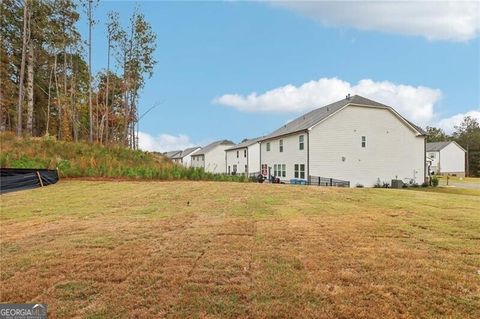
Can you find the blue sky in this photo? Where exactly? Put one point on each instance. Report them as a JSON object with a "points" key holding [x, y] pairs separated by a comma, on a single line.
{"points": [[241, 69]]}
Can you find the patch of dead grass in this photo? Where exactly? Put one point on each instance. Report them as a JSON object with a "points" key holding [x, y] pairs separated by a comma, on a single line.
{"points": [[208, 250]]}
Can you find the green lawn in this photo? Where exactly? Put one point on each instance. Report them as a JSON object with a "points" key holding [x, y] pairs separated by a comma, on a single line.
{"points": [[102, 249]]}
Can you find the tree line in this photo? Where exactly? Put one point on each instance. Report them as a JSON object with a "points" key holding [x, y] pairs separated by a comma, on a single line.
{"points": [[467, 134], [47, 86]]}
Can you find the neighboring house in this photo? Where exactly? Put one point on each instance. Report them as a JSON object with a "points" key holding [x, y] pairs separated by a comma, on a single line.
{"points": [[185, 157], [355, 139], [171, 154], [212, 157], [447, 158], [244, 158]]}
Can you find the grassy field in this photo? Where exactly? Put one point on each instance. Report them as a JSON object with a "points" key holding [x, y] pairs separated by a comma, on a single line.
{"points": [[214, 250]]}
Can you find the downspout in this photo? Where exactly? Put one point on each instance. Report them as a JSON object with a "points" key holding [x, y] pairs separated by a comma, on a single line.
{"points": [[425, 162], [260, 143], [248, 166], [308, 156]]}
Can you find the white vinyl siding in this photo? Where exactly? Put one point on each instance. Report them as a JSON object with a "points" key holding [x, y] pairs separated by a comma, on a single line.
{"points": [[214, 159], [290, 156], [250, 159], [394, 149], [452, 159]]}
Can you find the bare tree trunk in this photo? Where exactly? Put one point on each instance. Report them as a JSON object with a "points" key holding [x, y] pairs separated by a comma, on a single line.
{"points": [[3, 104], [30, 89], [73, 102], [107, 90], [97, 123], [59, 102], [90, 22], [125, 99], [30, 78], [47, 128], [22, 70]]}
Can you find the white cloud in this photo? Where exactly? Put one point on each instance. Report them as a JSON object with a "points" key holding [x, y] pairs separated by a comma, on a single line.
{"points": [[415, 103], [163, 142], [448, 124], [434, 20]]}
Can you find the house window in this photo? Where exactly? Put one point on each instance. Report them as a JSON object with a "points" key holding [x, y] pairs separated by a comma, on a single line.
{"points": [[246, 169], [432, 155], [280, 143], [245, 153], [300, 142], [279, 170], [299, 171], [364, 141], [228, 169], [268, 147], [237, 154], [234, 169]]}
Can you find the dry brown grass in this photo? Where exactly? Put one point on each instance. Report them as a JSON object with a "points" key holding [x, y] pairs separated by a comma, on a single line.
{"points": [[132, 249]]}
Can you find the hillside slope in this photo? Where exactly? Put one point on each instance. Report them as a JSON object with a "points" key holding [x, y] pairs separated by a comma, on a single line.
{"points": [[93, 160]]}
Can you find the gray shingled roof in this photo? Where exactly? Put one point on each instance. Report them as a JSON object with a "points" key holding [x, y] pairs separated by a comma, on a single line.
{"points": [[211, 146], [171, 154], [246, 143], [311, 118], [437, 146], [186, 152]]}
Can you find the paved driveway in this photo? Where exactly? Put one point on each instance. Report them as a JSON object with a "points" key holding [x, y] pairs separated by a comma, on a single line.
{"points": [[461, 185]]}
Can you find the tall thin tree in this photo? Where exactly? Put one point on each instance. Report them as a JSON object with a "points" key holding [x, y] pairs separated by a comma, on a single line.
{"points": [[22, 68], [90, 24]]}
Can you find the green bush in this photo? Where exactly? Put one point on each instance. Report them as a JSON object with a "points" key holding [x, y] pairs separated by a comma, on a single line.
{"points": [[435, 181]]}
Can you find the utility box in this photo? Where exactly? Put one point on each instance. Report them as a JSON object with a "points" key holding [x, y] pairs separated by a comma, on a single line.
{"points": [[397, 183]]}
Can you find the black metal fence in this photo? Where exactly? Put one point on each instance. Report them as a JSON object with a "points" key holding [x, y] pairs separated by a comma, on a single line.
{"points": [[326, 181]]}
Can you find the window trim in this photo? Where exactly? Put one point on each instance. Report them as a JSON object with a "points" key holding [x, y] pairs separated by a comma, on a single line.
{"points": [[364, 141], [280, 146], [301, 142]]}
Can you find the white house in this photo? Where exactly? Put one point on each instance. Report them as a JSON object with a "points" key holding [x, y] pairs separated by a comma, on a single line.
{"points": [[171, 154], [447, 158], [185, 157], [244, 158], [356, 140], [212, 157]]}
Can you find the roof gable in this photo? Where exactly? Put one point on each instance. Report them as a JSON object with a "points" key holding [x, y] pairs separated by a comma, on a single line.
{"points": [[211, 146], [186, 152], [438, 146], [246, 143], [314, 117], [172, 154]]}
